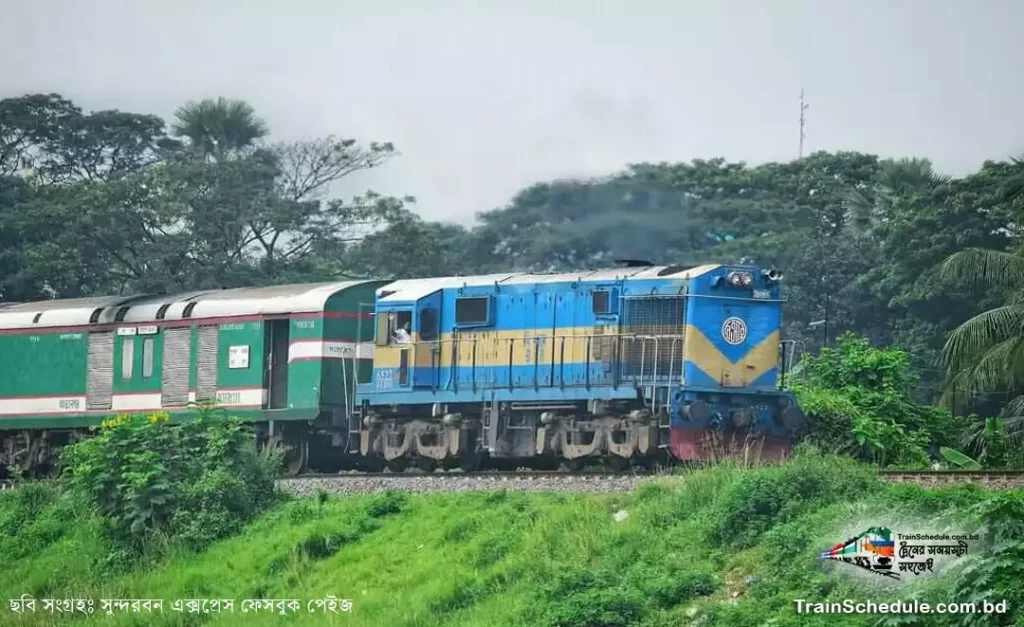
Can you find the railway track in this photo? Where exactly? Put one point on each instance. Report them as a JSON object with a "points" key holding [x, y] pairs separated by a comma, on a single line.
{"points": [[937, 478], [598, 480], [594, 481], [529, 481], [493, 474], [898, 476]]}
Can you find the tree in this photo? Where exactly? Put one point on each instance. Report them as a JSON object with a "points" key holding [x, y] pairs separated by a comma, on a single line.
{"points": [[218, 129], [50, 141], [105, 202], [50, 152], [412, 248], [27, 124], [986, 353]]}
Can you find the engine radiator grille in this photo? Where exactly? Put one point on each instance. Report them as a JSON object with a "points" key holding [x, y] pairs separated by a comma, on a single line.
{"points": [[652, 342]]}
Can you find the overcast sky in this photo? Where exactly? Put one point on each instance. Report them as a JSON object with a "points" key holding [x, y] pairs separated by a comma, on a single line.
{"points": [[484, 98]]}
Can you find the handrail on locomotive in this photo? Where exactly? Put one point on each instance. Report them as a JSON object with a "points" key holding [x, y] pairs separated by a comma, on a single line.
{"points": [[620, 365]]}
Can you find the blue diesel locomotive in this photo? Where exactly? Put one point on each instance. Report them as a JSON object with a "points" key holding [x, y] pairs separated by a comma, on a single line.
{"points": [[614, 364]]}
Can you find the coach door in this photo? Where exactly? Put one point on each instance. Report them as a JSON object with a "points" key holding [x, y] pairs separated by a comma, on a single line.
{"points": [[100, 377], [427, 349], [275, 350]]}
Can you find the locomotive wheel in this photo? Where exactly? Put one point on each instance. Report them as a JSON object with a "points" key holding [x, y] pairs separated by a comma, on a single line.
{"points": [[576, 465], [425, 464], [397, 465], [469, 462], [617, 463]]}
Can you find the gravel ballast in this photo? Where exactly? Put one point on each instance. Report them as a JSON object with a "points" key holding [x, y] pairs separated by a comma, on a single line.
{"points": [[453, 483]]}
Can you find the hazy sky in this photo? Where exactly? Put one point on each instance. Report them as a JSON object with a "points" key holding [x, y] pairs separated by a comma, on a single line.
{"points": [[484, 98]]}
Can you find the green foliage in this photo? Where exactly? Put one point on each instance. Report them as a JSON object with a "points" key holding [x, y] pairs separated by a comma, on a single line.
{"points": [[996, 573], [196, 482], [736, 547], [581, 598], [715, 546], [756, 502], [958, 459], [106, 202], [858, 400]]}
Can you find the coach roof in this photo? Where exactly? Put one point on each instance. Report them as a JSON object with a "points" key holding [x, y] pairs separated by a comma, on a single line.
{"points": [[409, 290], [279, 299]]}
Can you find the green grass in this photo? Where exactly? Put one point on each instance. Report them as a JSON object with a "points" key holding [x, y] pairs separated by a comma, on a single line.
{"points": [[500, 559]]}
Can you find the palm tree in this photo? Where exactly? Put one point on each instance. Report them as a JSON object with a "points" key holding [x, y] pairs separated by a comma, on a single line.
{"points": [[218, 128], [986, 353]]}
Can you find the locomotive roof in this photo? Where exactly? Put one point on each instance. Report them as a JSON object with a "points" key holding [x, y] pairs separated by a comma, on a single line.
{"points": [[278, 299], [414, 289]]}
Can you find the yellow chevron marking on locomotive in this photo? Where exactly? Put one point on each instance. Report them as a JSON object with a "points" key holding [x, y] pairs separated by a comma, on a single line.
{"points": [[702, 353]]}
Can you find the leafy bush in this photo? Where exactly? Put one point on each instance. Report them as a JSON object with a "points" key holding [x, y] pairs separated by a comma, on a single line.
{"points": [[996, 573], [754, 502], [858, 400], [197, 481], [33, 516], [584, 598]]}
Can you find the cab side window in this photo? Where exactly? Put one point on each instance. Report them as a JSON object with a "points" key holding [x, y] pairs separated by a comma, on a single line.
{"points": [[428, 325], [393, 328]]}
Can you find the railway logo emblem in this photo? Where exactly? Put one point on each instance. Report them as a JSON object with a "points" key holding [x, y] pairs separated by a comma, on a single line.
{"points": [[875, 551], [734, 331]]}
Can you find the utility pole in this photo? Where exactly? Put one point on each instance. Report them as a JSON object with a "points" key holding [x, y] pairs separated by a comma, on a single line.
{"points": [[824, 321], [803, 107], [827, 303]]}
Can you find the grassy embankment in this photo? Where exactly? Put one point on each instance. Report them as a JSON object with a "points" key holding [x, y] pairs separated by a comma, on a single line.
{"points": [[688, 553]]}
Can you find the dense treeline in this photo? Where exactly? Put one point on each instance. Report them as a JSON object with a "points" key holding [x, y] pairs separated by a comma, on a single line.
{"points": [[114, 202]]}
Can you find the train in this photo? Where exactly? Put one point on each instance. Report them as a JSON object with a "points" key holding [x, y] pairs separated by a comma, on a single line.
{"points": [[620, 366]]}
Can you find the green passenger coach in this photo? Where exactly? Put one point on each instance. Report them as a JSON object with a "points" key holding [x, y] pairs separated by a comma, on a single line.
{"points": [[272, 355]]}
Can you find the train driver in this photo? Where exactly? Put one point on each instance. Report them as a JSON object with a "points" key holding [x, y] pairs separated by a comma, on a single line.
{"points": [[402, 335]]}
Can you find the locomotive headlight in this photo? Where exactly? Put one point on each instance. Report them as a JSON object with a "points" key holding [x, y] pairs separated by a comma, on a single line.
{"points": [[741, 279]]}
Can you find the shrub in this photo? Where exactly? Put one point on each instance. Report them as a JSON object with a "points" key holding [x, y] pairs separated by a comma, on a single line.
{"points": [[858, 401], [756, 501], [582, 598], [196, 482], [996, 573]]}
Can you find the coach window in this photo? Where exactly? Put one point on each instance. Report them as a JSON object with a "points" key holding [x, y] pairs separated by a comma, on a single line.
{"points": [[127, 357], [472, 311], [147, 358], [602, 302]]}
